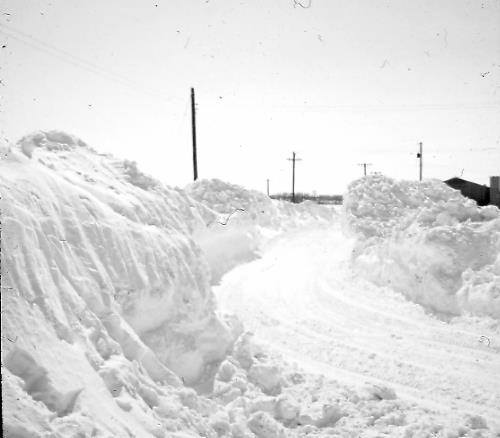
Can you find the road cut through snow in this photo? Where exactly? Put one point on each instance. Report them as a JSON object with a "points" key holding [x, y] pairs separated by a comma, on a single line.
{"points": [[302, 299]]}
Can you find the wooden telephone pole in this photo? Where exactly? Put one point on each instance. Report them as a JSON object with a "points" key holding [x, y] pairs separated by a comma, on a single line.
{"points": [[364, 166], [193, 122], [268, 187], [419, 156], [293, 159]]}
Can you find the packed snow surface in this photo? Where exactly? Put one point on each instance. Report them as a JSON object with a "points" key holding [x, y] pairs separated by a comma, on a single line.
{"points": [[387, 365], [318, 326]]}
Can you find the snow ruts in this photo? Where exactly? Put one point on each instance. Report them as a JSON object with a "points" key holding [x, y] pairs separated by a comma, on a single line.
{"points": [[302, 300]]}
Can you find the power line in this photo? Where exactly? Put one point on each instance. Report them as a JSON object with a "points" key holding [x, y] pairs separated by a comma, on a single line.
{"points": [[394, 107], [78, 62], [464, 106]]}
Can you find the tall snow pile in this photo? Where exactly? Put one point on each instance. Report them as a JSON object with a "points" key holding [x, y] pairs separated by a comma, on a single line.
{"points": [[245, 221], [252, 206], [104, 291], [107, 310], [427, 241], [108, 316]]}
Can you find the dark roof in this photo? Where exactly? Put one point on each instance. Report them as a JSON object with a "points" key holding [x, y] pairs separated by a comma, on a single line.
{"points": [[455, 179], [457, 182]]}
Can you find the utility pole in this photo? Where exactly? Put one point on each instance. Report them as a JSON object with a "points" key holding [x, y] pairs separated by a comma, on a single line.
{"points": [[293, 159], [364, 166], [267, 186], [419, 156], [193, 122]]}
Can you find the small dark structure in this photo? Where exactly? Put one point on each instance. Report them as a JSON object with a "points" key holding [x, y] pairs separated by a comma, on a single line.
{"points": [[301, 197], [495, 190], [482, 194]]}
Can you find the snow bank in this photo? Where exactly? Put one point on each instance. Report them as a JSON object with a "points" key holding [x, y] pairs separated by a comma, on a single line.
{"points": [[106, 300], [108, 312], [105, 295], [245, 221], [428, 242], [226, 198], [260, 395]]}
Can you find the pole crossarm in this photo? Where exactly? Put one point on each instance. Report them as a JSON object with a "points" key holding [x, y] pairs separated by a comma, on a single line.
{"points": [[364, 166]]}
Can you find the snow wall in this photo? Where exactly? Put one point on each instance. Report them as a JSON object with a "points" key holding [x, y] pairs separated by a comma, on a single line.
{"points": [[107, 308], [425, 240], [246, 220]]}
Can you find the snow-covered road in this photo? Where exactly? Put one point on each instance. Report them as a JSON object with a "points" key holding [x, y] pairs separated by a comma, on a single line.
{"points": [[302, 300], [109, 313]]}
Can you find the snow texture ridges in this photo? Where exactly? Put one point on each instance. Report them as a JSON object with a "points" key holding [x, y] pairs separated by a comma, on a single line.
{"points": [[428, 242], [101, 282]]}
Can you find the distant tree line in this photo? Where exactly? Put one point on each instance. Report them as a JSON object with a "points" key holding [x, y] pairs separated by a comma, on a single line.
{"points": [[300, 197]]}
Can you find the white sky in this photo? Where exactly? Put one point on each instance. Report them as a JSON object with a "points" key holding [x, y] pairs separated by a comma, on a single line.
{"points": [[341, 82]]}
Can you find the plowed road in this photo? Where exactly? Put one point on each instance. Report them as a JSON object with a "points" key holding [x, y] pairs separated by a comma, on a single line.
{"points": [[302, 300]]}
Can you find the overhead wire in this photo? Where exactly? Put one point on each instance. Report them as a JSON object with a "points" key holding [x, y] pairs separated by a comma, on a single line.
{"points": [[79, 62], [381, 108]]}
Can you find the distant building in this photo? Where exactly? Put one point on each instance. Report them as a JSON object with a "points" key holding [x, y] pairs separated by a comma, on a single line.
{"points": [[301, 197], [482, 194], [495, 190]]}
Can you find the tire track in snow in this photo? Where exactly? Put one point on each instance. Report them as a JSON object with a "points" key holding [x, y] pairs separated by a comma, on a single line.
{"points": [[302, 300]]}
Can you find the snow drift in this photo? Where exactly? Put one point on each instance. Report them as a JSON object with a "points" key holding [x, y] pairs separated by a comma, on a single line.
{"points": [[108, 314], [106, 299], [101, 283], [427, 241], [245, 221]]}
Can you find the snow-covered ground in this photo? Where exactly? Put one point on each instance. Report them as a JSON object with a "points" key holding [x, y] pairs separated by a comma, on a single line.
{"points": [[302, 300], [378, 320]]}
